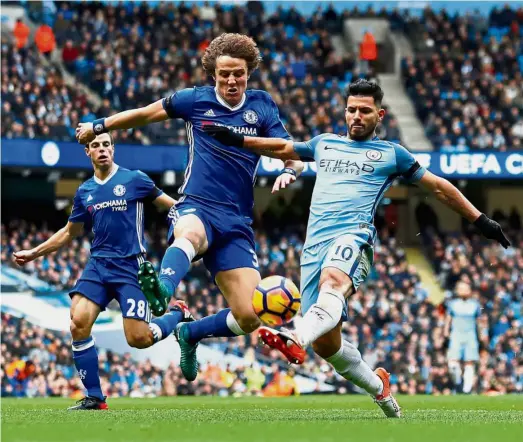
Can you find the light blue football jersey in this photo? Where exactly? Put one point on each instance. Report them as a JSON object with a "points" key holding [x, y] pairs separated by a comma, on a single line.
{"points": [[464, 313], [352, 177]]}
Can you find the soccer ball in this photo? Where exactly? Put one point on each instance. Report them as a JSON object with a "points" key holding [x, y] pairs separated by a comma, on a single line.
{"points": [[276, 300]]}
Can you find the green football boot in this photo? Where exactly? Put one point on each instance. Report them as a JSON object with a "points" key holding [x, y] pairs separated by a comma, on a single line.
{"points": [[188, 360], [154, 290]]}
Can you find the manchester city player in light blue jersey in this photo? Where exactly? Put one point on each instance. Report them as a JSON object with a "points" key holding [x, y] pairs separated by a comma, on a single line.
{"points": [[214, 214], [461, 328], [353, 173], [110, 204]]}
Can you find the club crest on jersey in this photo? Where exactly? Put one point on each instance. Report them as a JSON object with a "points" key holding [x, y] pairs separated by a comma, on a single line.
{"points": [[119, 190], [250, 116], [373, 155]]}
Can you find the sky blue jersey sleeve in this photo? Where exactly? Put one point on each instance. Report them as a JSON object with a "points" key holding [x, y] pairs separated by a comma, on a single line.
{"points": [[274, 128], [180, 104], [79, 214], [145, 187], [407, 165], [450, 309], [307, 149]]}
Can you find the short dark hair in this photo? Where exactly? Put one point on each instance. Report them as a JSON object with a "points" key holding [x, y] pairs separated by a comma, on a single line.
{"points": [[110, 137], [235, 46], [367, 89]]}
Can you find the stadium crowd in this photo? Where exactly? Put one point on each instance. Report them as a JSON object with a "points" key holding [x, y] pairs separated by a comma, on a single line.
{"points": [[466, 78], [129, 57], [38, 363], [391, 319]]}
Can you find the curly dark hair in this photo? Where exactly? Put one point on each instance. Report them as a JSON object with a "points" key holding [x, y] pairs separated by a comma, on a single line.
{"points": [[233, 45]]}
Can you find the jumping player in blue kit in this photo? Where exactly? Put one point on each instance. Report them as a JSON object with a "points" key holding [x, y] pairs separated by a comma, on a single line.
{"points": [[213, 217], [353, 173], [111, 204]]}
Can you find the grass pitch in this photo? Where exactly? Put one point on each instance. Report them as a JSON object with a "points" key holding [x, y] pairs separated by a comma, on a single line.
{"points": [[304, 419]]}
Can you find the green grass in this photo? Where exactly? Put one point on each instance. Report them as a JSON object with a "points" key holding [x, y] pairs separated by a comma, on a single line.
{"points": [[307, 418]]}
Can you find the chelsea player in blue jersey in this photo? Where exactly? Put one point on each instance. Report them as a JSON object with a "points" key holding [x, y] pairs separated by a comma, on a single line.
{"points": [[111, 204], [353, 173], [213, 217]]}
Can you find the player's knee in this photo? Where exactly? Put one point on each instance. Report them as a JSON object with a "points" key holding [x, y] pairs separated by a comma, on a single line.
{"points": [[80, 326], [197, 239], [332, 278], [138, 340]]}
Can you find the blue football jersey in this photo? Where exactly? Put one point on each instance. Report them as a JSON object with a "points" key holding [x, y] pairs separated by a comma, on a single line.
{"points": [[113, 208], [218, 175], [351, 179]]}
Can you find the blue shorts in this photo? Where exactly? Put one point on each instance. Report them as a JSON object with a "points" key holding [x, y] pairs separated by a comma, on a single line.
{"points": [[349, 253], [464, 348], [105, 279], [229, 235]]}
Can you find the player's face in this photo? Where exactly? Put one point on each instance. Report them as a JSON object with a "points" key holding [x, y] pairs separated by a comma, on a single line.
{"points": [[463, 290], [101, 152], [231, 77], [362, 116]]}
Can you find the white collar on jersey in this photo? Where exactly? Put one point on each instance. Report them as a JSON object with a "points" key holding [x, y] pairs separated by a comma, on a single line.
{"points": [[228, 106], [99, 181]]}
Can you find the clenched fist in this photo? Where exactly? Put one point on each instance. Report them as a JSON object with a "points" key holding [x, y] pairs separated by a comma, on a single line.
{"points": [[85, 133], [24, 256]]}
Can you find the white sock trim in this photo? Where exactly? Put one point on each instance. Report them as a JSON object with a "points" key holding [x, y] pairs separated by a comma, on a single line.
{"points": [[233, 325], [156, 331], [185, 246], [83, 346]]}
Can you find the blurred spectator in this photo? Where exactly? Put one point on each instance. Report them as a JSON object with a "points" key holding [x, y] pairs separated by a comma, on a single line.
{"points": [[45, 40], [368, 51], [21, 33]]}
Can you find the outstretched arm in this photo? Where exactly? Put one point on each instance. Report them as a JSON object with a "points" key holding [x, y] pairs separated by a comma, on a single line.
{"points": [[453, 198], [153, 113], [56, 241], [270, 147]]}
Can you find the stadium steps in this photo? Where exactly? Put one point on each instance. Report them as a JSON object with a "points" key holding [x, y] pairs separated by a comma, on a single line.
{"points": [[429, 280], [399, 103]]}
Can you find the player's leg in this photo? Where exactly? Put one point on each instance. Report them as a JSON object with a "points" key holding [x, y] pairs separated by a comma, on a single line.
{"points": [[344, 265], [237, 286], [140, 331], [347, 361], [234, 266], [471, 357], [83, 313], [190, 238], [454, 356]]}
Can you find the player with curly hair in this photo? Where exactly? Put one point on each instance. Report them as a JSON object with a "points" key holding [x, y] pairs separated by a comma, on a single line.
{"points": [[212, 219]]}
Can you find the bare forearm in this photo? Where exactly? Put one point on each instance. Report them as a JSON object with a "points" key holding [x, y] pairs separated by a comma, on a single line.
{"points": [[58, 240], [296, 165], [141, 116], [271, 147], [453, 198]]}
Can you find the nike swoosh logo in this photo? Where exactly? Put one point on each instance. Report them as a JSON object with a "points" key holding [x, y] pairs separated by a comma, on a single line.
{"points": [[342, 150]]}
